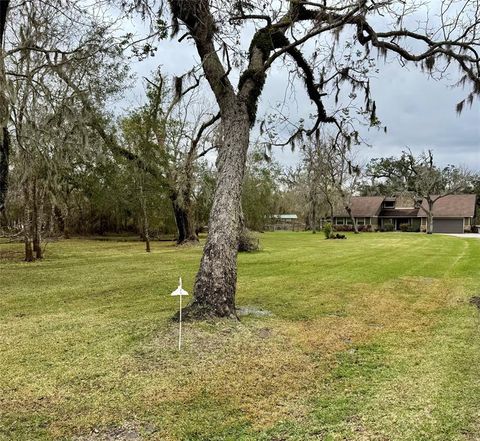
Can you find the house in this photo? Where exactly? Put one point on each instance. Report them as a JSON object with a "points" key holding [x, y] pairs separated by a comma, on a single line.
{"points": [[451, 214]]}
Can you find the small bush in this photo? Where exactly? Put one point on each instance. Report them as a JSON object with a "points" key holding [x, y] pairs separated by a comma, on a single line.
{"points": [[410, 228], [365, 228], [361, 228], [343, 228], [248, 242], [327, 230], [337, 236], [387, 227]]}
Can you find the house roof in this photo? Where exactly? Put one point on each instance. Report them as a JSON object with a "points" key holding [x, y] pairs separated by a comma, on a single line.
{"points": [[363, 206], [399, 212], [455, 205], [285, 216], [458, 205]]}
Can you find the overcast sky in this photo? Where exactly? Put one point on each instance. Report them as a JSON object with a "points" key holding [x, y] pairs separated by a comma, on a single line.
{"points": [[418, 111]]}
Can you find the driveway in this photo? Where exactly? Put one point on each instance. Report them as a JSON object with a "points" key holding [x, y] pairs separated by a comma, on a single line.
{"points": [[466, 235]]}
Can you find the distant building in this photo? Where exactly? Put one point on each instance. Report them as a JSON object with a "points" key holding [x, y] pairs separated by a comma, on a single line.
{"points": [[284, 222], [451, 214]]}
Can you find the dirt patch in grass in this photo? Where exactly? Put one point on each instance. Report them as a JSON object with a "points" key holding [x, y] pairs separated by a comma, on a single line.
{"points": [[475, 301], [128, 432], [250, 368]]}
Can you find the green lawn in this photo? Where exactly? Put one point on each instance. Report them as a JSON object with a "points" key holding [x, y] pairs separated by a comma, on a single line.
{"points": [[370, 338]]}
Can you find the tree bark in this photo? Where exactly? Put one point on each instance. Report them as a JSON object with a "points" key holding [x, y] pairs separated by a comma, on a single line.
{"points": [[215, 284], [4, 113], [66, 229], [180, 219], [331, 211], [354, 223], [27, 225], [4, 163], [183, 219], [314, 218], [430, 217], [146, 234], [37, 248]]}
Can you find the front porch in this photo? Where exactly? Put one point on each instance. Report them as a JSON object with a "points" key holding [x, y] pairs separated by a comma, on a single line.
{"points": [[410, 223]]}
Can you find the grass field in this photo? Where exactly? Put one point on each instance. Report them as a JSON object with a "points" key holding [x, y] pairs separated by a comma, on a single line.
{"points": [[370, 338]]}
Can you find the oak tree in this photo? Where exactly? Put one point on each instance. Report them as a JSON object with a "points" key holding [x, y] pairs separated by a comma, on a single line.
{"points": [[282, 31]]}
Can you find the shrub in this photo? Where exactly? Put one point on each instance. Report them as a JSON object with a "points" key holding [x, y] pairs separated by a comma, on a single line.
{"points": [[343, 227], [405, 227], [340, 236], [387, 227], [327, 230], [365, 228], [248, 241]]}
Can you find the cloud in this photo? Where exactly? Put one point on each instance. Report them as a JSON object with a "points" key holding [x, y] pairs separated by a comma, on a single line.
{"points": [[418, 111]]}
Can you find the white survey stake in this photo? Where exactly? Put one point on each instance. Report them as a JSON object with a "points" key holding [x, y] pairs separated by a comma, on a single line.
{"points": [[180, 292]]}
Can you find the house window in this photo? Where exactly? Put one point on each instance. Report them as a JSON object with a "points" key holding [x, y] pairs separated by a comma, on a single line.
{"points": [[389, 204], [349, 221], [339, 221], [368, 221], [360, 221]]}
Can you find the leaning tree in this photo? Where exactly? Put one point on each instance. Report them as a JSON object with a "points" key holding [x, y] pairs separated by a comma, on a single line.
{"points": [[303, 35], [178, 129]]}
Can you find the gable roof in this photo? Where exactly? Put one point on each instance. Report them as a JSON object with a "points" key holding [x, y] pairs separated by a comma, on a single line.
{"points": [[454, 205], [363, 206]]}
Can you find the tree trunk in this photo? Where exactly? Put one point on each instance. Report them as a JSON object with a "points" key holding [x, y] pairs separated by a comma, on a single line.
{"points": [[215, 284], [190, 221], [36, 221], [66, 219], [430, 216], [184, 220], [180, 219], [4, 163], [354, 223], [314, 218], [4, 113], [27, 225], [146, 234]]}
